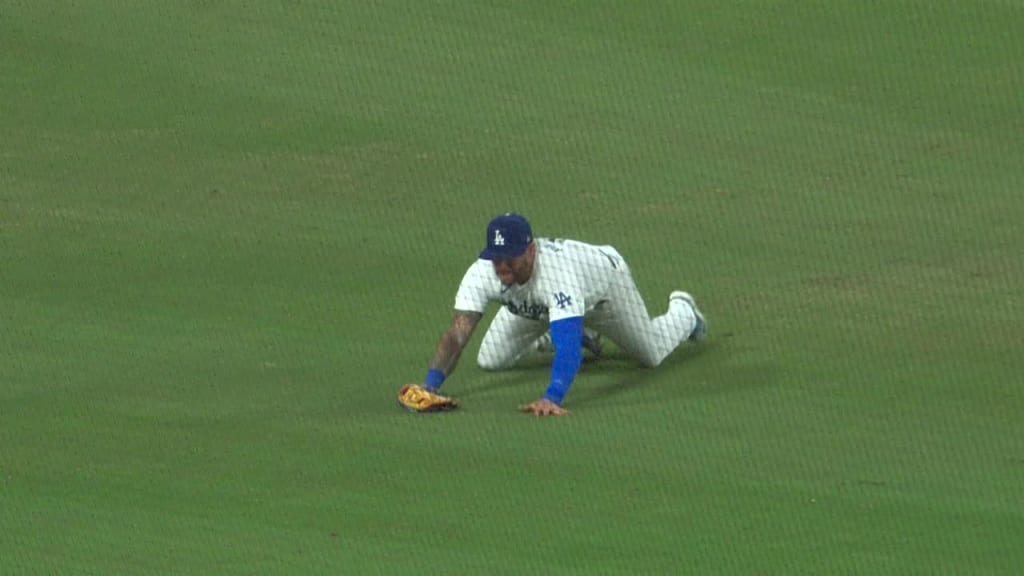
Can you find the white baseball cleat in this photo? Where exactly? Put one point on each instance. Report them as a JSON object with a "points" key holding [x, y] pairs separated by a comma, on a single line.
{"points": [[700, 330]]}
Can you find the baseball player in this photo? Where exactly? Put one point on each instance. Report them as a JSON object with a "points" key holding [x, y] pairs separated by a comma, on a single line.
{"points": [[550, 289]]}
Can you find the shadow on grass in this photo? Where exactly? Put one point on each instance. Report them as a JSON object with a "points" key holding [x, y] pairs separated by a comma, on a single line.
{"points": [[691, 371], [533, 371]]}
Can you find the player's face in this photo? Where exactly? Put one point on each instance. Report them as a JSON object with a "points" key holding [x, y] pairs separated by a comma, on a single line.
{"points": [[516, 270]]}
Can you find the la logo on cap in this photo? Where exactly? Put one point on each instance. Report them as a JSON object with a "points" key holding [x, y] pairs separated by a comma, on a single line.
{"points": [[499, 240]]}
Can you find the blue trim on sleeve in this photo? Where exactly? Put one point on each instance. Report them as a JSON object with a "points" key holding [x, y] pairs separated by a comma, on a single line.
{"points": [[567, 336]]}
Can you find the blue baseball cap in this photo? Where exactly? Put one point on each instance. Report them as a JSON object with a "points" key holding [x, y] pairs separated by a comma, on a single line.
{"points": [[508, 235]]}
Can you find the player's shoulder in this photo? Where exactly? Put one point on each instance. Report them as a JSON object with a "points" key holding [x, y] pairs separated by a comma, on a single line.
{"points": [[563, 260], [570, 251], [557, 245], [481, 264], [479, 272]]}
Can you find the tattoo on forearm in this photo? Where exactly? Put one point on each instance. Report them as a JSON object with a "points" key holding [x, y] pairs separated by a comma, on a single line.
{"points": [[454, 340]]}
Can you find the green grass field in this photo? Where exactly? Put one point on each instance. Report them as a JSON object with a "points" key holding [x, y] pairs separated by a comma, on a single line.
{"points": [[229, 231]]}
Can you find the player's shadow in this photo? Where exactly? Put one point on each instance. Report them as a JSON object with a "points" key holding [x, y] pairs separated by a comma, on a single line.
{"points": [[683, 374], [618, 378], [532, 371]]}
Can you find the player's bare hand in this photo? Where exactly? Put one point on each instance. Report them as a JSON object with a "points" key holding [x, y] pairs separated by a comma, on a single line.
{"points": [[543, 407]]}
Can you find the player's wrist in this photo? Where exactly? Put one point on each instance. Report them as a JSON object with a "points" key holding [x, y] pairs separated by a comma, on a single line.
{"points": [[553, 398], [435, 377]]}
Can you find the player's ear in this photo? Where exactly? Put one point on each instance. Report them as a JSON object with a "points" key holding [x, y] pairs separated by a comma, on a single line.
{"points": [[531, 250]]}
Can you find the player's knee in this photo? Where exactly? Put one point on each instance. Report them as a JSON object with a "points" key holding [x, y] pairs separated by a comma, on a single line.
{"points": [[649, 363], [490, 362], [650, 360]]}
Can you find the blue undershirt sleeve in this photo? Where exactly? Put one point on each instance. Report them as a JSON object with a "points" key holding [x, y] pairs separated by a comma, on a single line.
{"points": [[567, 336]]}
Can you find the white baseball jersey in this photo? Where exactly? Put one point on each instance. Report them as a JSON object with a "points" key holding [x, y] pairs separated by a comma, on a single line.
{"points": [[569, 279]]}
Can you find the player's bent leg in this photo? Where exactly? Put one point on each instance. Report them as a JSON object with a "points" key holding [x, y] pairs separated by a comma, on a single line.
{"points": [[508, 339], [673, 327], [630, 328], [700, 328], [626, 322]]}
